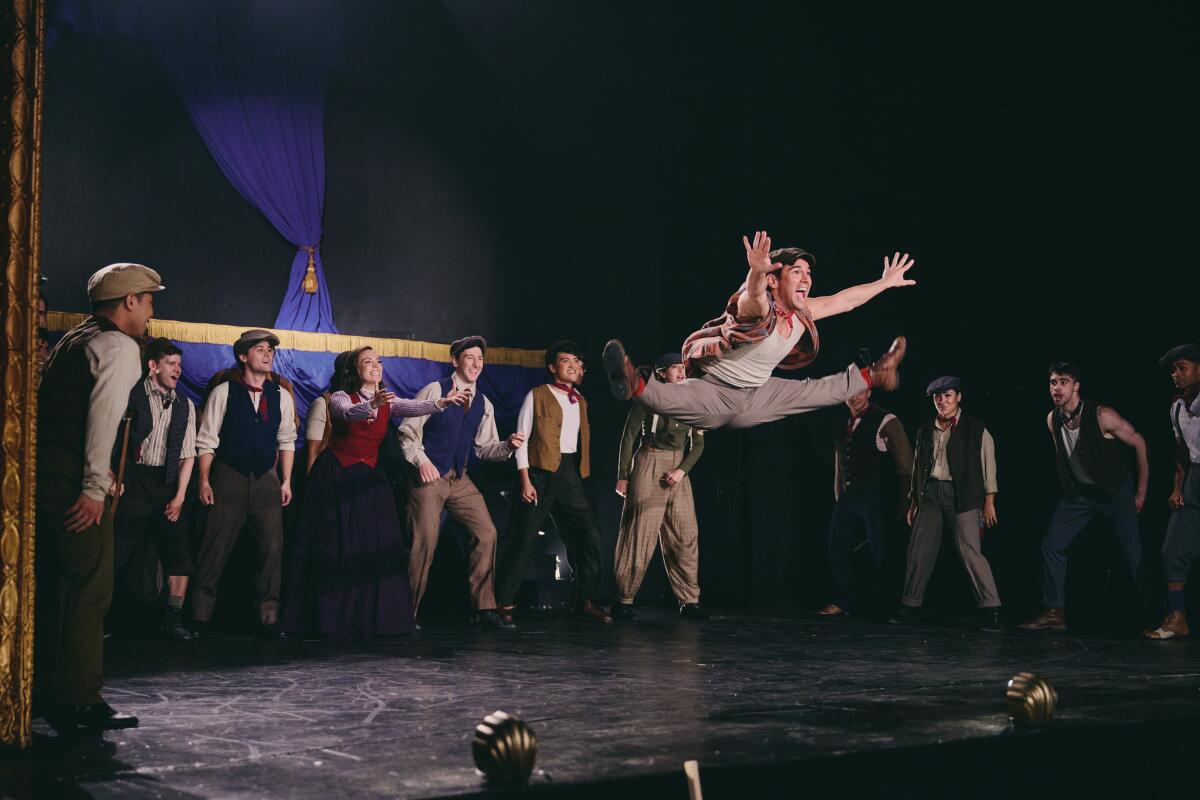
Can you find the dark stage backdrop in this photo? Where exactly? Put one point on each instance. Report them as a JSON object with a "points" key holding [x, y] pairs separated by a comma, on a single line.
{"points": [[531, 170]]}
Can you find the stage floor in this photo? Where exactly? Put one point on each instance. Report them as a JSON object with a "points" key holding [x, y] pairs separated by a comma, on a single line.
{"points": [[231, 716]]}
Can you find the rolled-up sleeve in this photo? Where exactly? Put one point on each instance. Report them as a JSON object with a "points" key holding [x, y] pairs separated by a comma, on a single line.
{"points": [[285, 437], [488, 444], [208, 438], [115, 362]]}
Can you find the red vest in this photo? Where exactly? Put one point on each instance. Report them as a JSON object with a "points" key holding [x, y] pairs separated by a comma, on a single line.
{"points": [[358, 442]]}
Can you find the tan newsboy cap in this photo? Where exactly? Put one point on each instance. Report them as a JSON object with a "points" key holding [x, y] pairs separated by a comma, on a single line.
{"points": [[118, 280]]}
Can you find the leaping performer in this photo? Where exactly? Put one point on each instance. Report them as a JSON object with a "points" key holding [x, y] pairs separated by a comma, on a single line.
{"points": [[732, 357]]}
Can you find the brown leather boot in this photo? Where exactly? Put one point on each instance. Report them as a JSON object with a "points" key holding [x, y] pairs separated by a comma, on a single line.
{"points": [[833, 610], [1051, 619], [1175, 626], [589, 610], [623, 378], [885, 373]]}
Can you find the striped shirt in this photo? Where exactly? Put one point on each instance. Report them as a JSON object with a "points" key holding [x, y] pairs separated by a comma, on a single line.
{"points": [[154, 450]]}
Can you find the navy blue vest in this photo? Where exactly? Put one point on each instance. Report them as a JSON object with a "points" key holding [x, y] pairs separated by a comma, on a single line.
{"points": [[247, 442], [449, 437], [143, 426]]}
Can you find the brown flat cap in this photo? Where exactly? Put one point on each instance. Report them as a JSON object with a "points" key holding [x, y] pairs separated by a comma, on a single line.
{"points": [[252, 337], [465, 343], [119, 280]]}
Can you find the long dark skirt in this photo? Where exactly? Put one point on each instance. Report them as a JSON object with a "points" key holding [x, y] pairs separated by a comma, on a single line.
{"points": [[347, 575]]}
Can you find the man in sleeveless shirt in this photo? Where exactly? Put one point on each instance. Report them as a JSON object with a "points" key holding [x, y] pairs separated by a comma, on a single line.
{"points": [[769, 323], [1182, 545], [1095, 451], [441, 448], [85, 388], [247, 431], [551, 464], [954, 486]]}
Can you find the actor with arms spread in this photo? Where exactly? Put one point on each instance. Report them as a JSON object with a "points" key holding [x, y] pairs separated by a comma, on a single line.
{"points": [[247, 430], [658, 501], [84, 391], [160, 452], [769, 322], [859, 448], [954, 486], [1182, 545], [1095, 451], [442, 448], [552, 463]]}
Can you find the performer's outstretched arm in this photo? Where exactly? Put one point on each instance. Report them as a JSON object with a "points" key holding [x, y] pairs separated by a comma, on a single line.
{"points": [[753, 304], [894, 270], [1113, 423]]}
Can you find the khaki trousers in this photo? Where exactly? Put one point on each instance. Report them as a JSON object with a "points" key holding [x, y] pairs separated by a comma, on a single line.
{"points": [[654, 514], [935, 512], [462, 500]]}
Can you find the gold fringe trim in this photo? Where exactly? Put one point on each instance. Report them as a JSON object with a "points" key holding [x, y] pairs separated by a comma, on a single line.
{"points": [[204, 333]]}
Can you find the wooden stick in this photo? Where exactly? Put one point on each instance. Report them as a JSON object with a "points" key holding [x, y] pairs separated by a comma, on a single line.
{"points": [[692, 770]]}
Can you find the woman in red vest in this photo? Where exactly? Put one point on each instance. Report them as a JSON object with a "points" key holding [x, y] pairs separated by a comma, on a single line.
{"points": [[348, 576]]}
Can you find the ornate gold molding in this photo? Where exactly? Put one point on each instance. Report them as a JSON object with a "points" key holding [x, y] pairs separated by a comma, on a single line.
{"points": [[22, 29]]}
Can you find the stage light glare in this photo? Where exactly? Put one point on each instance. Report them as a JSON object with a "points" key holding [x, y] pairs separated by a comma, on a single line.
{"points": [[505, 749], [1031, 699]]}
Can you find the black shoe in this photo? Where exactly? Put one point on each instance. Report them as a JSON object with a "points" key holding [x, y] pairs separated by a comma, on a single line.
{"points": [[91, 716], [271, 631], [908, 615], [990, 620], [173, 626], [623, 612], [200, 628], [489, 618], [692, 611]]}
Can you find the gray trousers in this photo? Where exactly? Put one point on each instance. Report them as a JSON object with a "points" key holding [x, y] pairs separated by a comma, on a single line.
{"points": [[708, 403], [1182, 545], [936, 511]]}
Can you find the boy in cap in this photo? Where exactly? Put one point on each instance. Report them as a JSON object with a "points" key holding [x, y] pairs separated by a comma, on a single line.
{"points": [[159, 455], [552, 463], [1095, 451], [658, 501], [954, 486], [248, 428], [769, 323], [441, 448], [84, 390], [1182, 545]]}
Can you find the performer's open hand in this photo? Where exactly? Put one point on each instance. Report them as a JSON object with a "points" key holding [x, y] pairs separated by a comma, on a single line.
{"points": [[758, 254], [206, 493], [285, 493], [622, 488], [516, 441], [429, 473], [912, 514], [83, 514], [456, 397], [895, 268], [174, 508], [672, 478], [381, 398], [1139, 499], [989, 514], [1176, 499]]}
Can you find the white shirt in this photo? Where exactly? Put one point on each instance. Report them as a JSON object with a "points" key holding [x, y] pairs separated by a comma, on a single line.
{"points": [[568, 440], [209, 438], [750, 366], [318, 418], [1186, 422], [115, 363], [488, 445]]}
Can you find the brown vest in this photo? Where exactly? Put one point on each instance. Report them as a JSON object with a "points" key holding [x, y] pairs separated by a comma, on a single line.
{"points": [[544, 442]]}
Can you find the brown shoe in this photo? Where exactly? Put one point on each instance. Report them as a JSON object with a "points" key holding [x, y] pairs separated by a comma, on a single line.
{"points": [[1052, 619], [833, 610], [885, 373], [623, 378], [590, 610], [1174, 626]]}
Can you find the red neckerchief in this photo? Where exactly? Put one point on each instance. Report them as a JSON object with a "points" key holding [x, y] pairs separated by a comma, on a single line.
{"points": [[262, 395], [572, 394], [953, 423], [850, 427]]}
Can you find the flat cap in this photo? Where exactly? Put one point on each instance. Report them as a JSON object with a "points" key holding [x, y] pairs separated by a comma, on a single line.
{"points": [[466, 343], [943, 383], [252, 337], [668, 360], [1189, 351], [119, 280]]}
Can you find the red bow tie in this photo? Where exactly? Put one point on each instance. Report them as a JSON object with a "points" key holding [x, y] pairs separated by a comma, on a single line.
{"points": [[572, 394]]}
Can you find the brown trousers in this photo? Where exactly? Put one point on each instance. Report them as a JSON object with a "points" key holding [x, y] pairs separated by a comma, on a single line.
{"points": [[459, 497], [655, 513], [237, 499]]}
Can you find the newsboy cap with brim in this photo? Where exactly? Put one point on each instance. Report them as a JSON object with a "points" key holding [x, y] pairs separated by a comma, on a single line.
{"points": [[466, 343], [1189, 351], [252, 337], [942, 384], [119, 280], [668, 360]]}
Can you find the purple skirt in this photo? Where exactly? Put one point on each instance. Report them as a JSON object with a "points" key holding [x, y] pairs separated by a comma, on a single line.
{"points": [[347, 576]]}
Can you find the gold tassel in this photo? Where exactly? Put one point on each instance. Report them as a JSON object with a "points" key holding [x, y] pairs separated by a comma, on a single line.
{"points": [[310, 277]]}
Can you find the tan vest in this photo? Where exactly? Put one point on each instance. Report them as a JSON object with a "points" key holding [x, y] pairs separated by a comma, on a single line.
{"points": [[544, 442]]}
